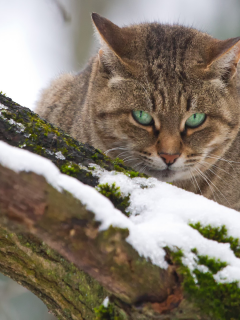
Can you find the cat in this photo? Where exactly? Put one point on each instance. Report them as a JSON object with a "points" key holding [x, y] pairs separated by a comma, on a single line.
{"points": [[164, 98]]}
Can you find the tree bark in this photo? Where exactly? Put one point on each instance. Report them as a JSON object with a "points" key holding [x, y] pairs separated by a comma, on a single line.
{"points": [[51, 244]]}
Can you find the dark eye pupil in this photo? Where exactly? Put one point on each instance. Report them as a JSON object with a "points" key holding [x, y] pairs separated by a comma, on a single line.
{"points": [[141, 114], [195, 115]]}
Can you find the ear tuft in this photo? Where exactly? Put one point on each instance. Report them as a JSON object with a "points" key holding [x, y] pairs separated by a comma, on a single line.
{"points": [[223, 58], [116, 38]]}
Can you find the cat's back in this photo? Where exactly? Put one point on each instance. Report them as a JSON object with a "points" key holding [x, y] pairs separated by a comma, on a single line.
{"points": [[63, 99]]}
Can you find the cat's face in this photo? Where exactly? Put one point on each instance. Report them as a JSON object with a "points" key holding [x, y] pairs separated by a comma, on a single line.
{"points": [[166, 110]]}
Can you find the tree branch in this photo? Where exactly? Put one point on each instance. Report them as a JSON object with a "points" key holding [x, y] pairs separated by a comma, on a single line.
{"points": [[49, 225]]}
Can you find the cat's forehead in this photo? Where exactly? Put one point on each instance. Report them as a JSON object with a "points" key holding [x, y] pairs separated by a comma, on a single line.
{"points": [[170, 43], [167, 56], [174, 66], [171, 54]]}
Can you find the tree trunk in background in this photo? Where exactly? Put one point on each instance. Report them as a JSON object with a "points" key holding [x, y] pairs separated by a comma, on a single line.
{"points": [[83, 29]]}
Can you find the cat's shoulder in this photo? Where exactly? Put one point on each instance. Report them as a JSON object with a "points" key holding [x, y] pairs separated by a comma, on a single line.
{"points": [[64, 94]]}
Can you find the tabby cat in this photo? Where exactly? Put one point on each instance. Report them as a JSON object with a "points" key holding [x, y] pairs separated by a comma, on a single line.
{"points": [[164, 98]]}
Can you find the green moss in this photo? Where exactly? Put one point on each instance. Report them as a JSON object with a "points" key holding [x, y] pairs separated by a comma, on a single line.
{"points": [[109, 313], [39, 150], [213, 265], [71, 169], [218, 234], [89, 174], [100, 158], [114, 194], [33, 125], [42, 125], [119, 169], [111, 232], [129, 173], [71, 142], [118, 165], [109, 191], [220, 301], [95, 156], [118, 161]]}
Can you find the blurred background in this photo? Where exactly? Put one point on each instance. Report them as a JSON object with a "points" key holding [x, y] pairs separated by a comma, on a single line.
{"points": [[42, 38]]}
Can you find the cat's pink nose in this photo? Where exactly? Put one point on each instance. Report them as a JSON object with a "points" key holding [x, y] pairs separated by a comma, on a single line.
{"points": [[169, 158]]}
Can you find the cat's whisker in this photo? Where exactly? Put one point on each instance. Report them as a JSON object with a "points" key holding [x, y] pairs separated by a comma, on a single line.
{"points": [[215, 174], [216, 191], [226, 151], [208, 169], [141, 168], [218, 168], [136, 165], [132, 159], [126, 158], [223, 159], [193, 181], [144, 169], [215, 187], [196, 182], [219, 158], [122, 154], [117, 148], [131, 162], [206, 180], [119, 155], [212, 172]]}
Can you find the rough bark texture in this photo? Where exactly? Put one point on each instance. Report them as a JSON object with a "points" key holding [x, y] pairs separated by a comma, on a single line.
{"points": [[51, 244]]}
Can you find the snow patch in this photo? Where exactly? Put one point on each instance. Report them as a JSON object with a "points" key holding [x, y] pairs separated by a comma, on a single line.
{"points": [[59, 155], [2, 106], [105, 302], [49, 152], [27, 135], [20, 126]]}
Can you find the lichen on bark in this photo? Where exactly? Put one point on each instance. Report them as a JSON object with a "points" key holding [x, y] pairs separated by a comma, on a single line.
{"points": [[61, 285]]}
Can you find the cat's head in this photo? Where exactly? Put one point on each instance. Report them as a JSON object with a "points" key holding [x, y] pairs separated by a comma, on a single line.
{"points": [[164, 97]]}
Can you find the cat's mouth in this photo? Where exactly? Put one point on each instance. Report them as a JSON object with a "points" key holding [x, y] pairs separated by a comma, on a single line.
{"points": [[164, 175], [168, 174]]}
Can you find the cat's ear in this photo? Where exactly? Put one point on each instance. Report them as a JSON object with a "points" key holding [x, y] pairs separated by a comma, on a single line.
{"points": [[223, 58], [115, 41]]}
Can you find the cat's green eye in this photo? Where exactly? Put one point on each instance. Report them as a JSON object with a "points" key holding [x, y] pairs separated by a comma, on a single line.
{"points": [[195, 120], [142, 117]]}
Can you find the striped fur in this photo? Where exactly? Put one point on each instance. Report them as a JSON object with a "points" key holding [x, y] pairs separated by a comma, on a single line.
{"points": [[171, 72]]}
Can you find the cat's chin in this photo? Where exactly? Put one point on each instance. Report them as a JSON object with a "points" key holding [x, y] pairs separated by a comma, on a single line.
{"points": [[168, 175]]}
